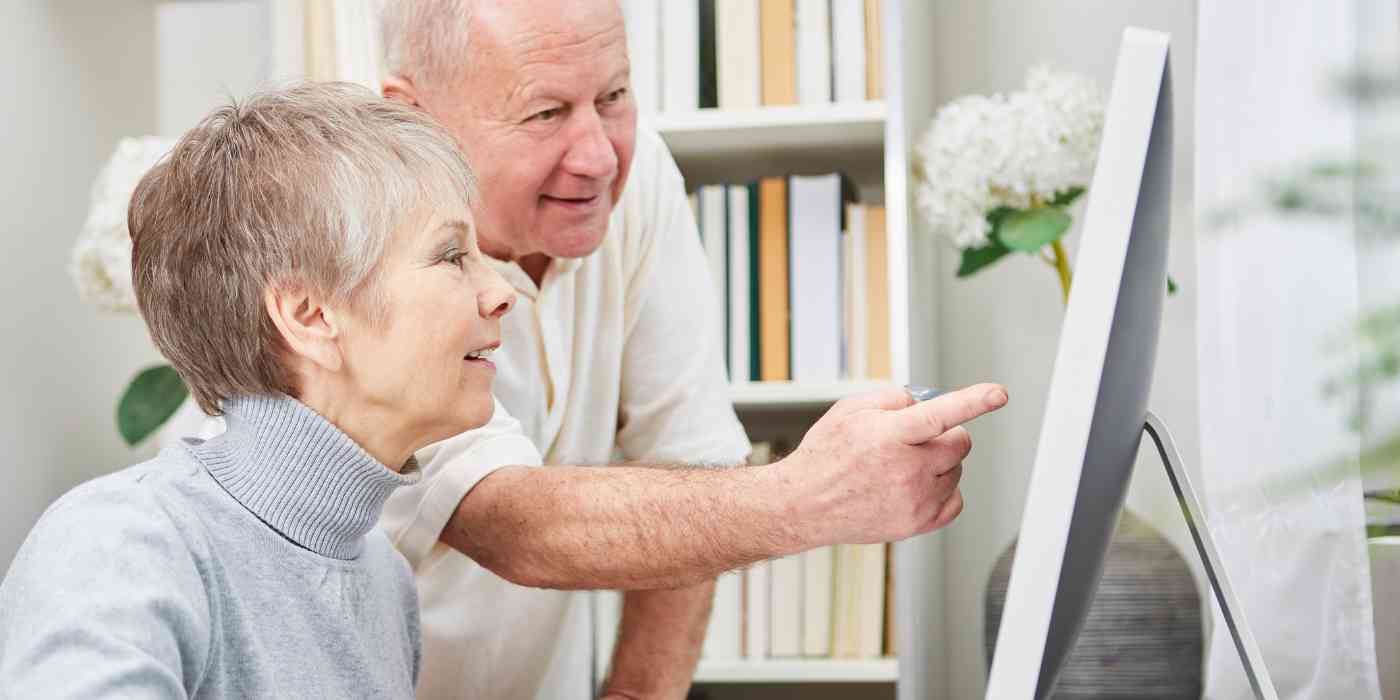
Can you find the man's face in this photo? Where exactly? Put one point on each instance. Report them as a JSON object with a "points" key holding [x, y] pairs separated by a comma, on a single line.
{"points": [[547, 120]]}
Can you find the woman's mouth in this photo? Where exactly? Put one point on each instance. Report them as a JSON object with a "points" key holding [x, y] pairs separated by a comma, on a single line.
{"points": [[482, 357]]}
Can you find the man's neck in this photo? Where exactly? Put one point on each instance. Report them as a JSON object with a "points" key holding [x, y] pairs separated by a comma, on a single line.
{"points": [[534, 266]]}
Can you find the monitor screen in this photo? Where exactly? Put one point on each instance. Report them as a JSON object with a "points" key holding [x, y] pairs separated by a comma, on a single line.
{"points": [[1103, 374]]}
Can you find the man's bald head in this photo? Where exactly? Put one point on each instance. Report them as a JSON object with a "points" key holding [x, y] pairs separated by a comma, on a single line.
{"points": [[426, 40], [537, 93]]}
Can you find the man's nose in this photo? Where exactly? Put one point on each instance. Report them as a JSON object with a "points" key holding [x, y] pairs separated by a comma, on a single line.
{"points": [[591, 153]]}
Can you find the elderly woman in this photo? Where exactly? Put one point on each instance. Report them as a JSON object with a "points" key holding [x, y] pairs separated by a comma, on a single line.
{"points": [[308, 263]]}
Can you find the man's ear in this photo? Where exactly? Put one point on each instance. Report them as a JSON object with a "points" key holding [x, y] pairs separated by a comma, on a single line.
{"points": [[400, 89], [308, 327]]}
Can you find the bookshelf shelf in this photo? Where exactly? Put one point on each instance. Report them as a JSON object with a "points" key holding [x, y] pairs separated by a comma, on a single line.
{"points": [[856, 124], [872, 143], [885, 670], [758, 395], [710, 144]]}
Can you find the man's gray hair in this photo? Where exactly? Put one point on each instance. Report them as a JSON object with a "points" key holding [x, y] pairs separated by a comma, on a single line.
{"points": [[426, 40], [301, 187]]}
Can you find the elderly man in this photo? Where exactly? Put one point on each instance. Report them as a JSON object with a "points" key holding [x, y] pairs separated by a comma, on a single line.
{"points": [[615, 348]]}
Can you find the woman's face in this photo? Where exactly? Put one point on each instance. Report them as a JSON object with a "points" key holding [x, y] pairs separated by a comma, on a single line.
{"points": [[422, 367]]}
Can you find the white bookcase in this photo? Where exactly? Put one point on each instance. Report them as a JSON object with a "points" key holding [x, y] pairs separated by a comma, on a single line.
{"points": [[873, 143]]}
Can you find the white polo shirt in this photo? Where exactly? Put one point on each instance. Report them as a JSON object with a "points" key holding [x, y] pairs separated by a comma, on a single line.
{"points": [[621, 349]]}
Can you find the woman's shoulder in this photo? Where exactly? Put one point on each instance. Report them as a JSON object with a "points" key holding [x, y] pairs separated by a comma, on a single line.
{"points": [[145, 504]]}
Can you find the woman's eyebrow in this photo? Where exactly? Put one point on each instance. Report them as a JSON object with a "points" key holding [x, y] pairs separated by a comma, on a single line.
{"points": [[458, 232]]}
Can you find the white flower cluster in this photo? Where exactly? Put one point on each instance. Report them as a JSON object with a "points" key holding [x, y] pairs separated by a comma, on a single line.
{"points": [[101, 264], [984, 152]]}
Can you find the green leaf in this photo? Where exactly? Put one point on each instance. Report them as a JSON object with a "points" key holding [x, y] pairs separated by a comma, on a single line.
{"points": [[151, 398], [1029, 230], [1067, 197], [974, 259], [1171, 286]]}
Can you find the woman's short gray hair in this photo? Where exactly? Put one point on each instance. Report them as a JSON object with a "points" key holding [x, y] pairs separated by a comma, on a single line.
{"points": [[425, 40], [297, 187]]}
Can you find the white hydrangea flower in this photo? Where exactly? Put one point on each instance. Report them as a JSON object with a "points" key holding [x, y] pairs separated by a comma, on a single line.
{"points": [[984, 152], [101, 263]]}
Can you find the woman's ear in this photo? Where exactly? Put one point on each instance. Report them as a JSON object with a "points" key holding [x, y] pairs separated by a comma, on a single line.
{"points": [[400, 89], [308, 326]]}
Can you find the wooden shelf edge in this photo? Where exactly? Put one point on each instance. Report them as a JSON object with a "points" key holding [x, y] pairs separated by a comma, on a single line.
{"points": [[788, 394], [882, 670], [836, 113]]}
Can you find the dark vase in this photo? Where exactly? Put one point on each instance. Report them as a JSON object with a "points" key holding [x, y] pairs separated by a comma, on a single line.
{"points": [[1143, 637]]}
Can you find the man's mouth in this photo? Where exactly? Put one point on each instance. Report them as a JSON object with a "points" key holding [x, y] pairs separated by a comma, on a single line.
{"points": [[572, 202]]}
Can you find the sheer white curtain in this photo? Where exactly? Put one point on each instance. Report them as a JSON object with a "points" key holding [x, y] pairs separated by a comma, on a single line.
{"points": [[1278, 286], [325, 40]]}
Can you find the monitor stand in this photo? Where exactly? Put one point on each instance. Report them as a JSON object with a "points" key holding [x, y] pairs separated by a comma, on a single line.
{"points": [[1230, 608]]}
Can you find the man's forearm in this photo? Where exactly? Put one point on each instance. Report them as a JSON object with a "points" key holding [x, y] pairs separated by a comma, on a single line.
{"points": [[658, 642], [622, 527]]}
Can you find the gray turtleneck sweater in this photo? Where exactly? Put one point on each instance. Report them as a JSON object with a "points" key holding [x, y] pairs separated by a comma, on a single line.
{"points": [[246, 566]]}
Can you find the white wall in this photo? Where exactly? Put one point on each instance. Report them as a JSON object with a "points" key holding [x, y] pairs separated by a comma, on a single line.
{"points": [[1003, 323], [79, 78], [82, 75]]}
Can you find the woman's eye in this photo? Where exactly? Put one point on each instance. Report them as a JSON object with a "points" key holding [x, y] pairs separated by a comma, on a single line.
{"points": [[455, 259]]}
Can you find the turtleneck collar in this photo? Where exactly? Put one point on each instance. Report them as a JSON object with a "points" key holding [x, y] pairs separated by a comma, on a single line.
{"points": [[300, 474]]}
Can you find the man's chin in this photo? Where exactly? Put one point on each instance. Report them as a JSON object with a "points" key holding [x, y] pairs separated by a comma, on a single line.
{"points": [[576, 242]]}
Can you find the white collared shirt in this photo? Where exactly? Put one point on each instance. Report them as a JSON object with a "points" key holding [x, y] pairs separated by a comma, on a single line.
{"points": [[619, 350]]}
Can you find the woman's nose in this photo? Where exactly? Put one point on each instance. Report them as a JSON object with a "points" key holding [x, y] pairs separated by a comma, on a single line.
{"points": [[497, 298]]}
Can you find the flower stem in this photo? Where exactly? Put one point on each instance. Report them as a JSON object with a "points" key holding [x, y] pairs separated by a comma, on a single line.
{"points": [[1062, 267]]}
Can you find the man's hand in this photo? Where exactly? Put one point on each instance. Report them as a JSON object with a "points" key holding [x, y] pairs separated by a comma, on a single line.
{"points": [[879, 467]]}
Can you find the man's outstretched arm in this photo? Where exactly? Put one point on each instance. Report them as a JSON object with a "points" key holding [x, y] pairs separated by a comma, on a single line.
{"points": [[873, 469]]}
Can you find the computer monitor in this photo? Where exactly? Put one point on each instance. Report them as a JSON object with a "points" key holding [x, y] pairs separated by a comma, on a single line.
{"points": [[1097, 406]]}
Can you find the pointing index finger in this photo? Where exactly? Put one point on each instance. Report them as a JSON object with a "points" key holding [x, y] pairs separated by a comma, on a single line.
{"points": [[927, 420]]}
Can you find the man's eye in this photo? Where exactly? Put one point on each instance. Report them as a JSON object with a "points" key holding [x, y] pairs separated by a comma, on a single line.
{"points": [[545, 115], [614, 96], [455, 259]]}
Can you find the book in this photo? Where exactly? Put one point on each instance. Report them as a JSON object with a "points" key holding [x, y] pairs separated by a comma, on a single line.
{"points": [[877, 295], [737, 47], [859, 612], [680, 55], [848, 50], [815, 206], [891, 648], [874, 52], [755, 321], [773, 278], [817, 572], [853, 279], [778, 51], [813, 43], [714, 231], [643, 21], [724, 634], [870, 605], [739, 326], [708, 79], [785, 607], [756, 584], [844, 611]]}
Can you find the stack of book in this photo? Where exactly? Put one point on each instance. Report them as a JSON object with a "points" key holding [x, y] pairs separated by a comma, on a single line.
{"points": [[830, 602], [736, 54], [802, 275]]}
